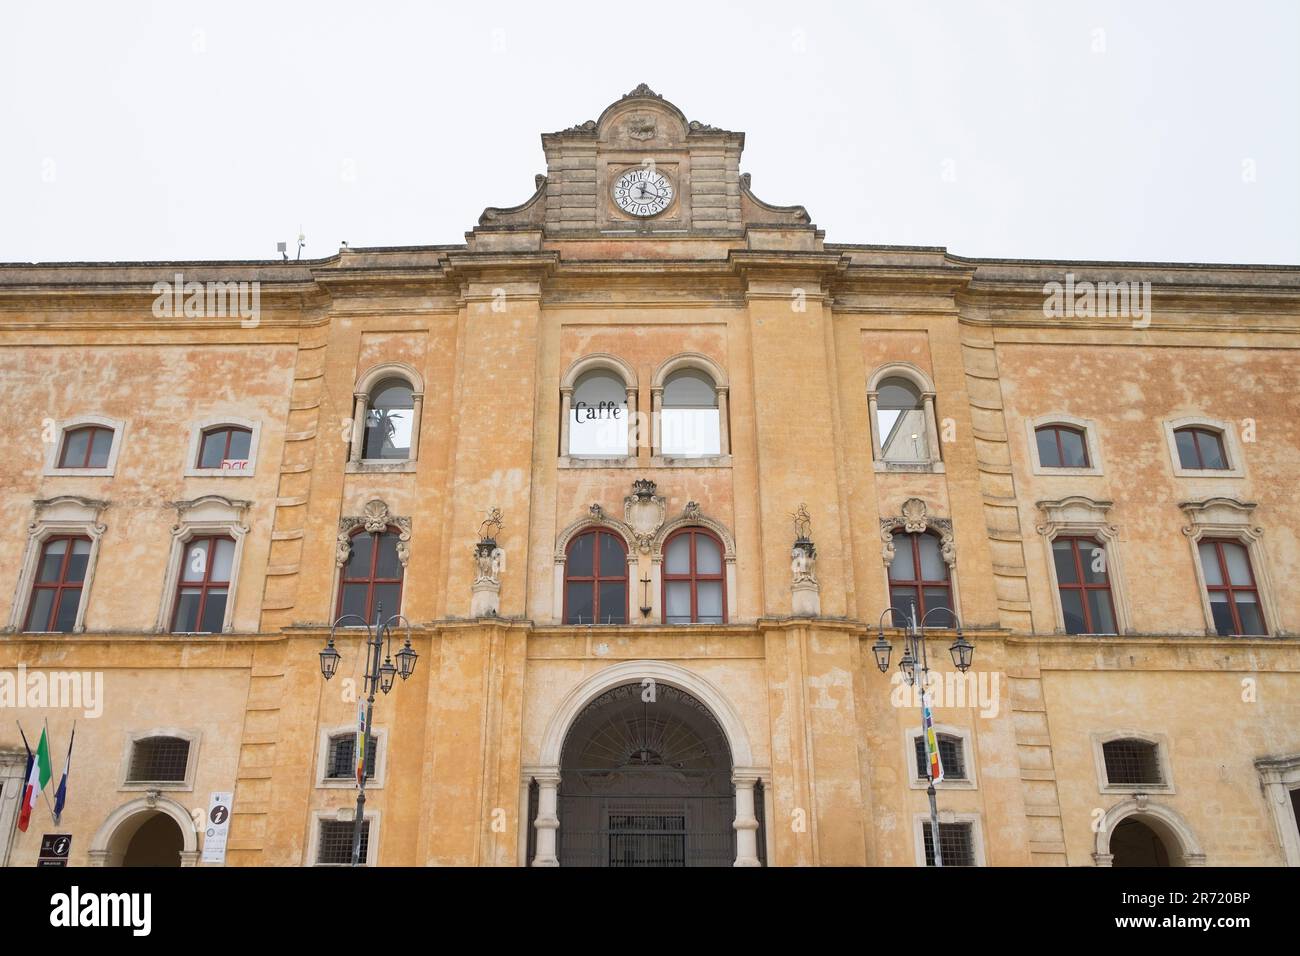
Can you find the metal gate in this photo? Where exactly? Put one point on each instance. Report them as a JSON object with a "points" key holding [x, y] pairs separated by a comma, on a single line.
{"points": [[651, 830]]}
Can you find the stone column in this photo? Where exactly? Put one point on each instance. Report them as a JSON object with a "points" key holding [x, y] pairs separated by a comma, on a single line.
{"points": [[566, 401], [417, 407], [547, 822], [358, 426], [872, 412], [724, 429], [631, 422], [656, 403], [933, 440], [746, 823]]}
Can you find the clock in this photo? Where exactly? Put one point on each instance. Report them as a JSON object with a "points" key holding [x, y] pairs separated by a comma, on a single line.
{"points": [[643, 191]]}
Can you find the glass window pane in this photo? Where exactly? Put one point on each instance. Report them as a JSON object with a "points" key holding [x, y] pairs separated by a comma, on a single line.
{"points": [[390, 596], [677, 602], [388, 434], [942, 598], [613, 557], [1074, 452], [689, 388], [66, 616], [354, 601], [1048, 454], [905, 440], [598, 416], [1103, 620], [1072, 611], [240, 442], [1063, 555], [932, 564], [1211, 450], [901, 568], [613, 602], [904, 600], [685, 432], [187, 610], [579, 608], [1210, 563], [223, 560], [677, 556], [1187, 457], [1252, 621], [100, 444], [74, 448], [195, 562], [708, 556], [1092, 556], [77, 563], [38, 618], [52, 560], [580, 556], [358, 565], [897, 393], [708, 599], [214, 611], [1221, 611], [213, 450], [387, 566], [1234, 556]]}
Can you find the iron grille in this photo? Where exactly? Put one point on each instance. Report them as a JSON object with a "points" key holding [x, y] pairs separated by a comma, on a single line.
{"points": [[646, 830], [955, 839], [335, 843], [760, 814], [159, 760], [950, 755], [647, 839], [343, 755], [1132, 762], [534, 798]]}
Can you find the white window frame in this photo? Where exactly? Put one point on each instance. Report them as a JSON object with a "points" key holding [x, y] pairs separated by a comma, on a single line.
{"points": [[1231, 447], [325, 752], [191, 760], [1230, 519], [343, 815], [963, 735], [1090, 437], [1161, 743], [1080, 516], [699, 362], [361, 405], [1278, 777], [65, 514], [924, 385], [208, 515], [196, 442], [55, 448], [921, 822]]}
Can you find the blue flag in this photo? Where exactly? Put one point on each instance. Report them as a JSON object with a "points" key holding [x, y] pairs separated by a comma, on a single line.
{"points": [[61, 794]]}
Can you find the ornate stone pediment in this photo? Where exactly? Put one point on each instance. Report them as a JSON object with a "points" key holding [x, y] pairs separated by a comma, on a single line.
{"points": [[915, 518], [1076, 512], [375, 518]]}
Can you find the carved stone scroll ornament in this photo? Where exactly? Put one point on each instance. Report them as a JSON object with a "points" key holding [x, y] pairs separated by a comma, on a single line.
{"points": [[644, 512], [916, 519], [375, 519]]}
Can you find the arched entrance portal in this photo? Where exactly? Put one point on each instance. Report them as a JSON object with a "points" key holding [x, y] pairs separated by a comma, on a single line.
{"points": [[1137, 832], [1134, 843], [153, 830], [156, 842], [646, 780]]}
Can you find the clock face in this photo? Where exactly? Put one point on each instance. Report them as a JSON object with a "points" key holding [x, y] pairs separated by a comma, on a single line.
{"points": [[643, 191]]}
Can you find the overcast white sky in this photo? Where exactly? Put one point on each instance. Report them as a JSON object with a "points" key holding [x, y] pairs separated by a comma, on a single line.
{"points": [[1128, 130]]}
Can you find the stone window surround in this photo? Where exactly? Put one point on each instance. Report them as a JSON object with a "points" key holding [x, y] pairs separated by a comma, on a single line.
{"points": [[963, 734], [196, 518], [1278, 777], [1090, 437], [1230, 519], [13, 765], [921, 822], [594, 362], [923, 384], [65, 514], [375, 519], [1161, 742], [325, 754], [191, 763], [361, 404], [1231, 447], [196, 440], [1081, 516], [55, 448], [348, 814], [914, 518]]}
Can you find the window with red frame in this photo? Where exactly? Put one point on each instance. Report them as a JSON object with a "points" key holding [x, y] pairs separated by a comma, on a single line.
{"points": [[1061, 447], [1084, 585], [918, 578], [595, 579], [203, 586], [372, 576], [1230, 582], [56, 592], [86, 447], [694, 584], [1200, 449], [225, 443]]}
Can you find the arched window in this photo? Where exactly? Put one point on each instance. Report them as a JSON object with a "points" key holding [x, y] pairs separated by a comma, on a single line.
{"points": [[203, 586], [1200, 449], [689, 421], [694, 583], [86, 447], [900, 421], [918, 578], [595, 579], [224, 446], [390, 413], [1060, 446], [1230, 582], [1084, 585], [56, 591], [372, 575], [598, 416]]}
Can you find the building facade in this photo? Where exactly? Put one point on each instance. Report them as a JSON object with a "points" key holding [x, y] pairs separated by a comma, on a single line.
{"points": [[642, 464]]}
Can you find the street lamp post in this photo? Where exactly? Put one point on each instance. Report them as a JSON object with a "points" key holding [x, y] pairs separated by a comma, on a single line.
{"points": [[914, 653], [378, 677]]}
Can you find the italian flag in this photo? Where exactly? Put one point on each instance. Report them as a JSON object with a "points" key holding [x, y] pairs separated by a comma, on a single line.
{"points": [[38, 778]]}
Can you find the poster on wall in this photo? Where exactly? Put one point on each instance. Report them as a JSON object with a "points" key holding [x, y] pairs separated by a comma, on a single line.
{"points": [[218, 826]]}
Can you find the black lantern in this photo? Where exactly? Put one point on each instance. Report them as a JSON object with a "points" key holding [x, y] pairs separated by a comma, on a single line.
{"points": [[406, 660], [882, 649], [962, 651], [908, 666], [329, 660], [387, 671]]}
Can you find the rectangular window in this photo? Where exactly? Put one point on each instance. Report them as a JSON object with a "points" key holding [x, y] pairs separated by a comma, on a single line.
{"points": [[159, 760], [956, 841], [343, 757], [334, 843], [1231, 587], [950, 755], [1132, 763], [56, 592]]}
